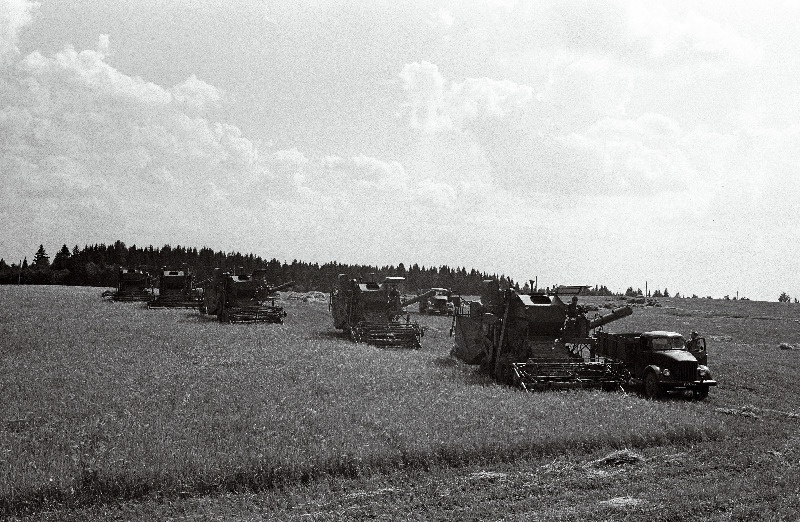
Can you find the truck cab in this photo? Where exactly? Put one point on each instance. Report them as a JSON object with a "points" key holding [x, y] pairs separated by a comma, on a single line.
{"points": [[661, 361]]}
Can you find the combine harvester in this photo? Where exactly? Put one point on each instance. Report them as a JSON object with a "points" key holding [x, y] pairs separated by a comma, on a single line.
{"points": [[242, 298], [132, 285], [535, 341], [371, 312], [176, 290]]}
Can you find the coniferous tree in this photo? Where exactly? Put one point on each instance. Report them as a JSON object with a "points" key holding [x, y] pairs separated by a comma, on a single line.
{"points": [[62, 259], [41, 259]]}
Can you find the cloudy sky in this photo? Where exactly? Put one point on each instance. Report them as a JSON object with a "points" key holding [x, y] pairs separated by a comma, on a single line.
{"points": [[579, 142]]}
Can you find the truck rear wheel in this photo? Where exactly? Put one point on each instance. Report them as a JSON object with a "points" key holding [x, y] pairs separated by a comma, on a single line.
{"points": [[652, 388]]}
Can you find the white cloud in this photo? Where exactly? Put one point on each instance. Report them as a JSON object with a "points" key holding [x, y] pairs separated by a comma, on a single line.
{"points": [[435, 104], [686, 35], [424, 86], [441, 19], [534, 148], [103, 44], [84, 78], [14, 14], [77, 131], [197, 94]]}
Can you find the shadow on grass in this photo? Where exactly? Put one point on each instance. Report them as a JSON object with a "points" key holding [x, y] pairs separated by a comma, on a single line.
{"points": [[338, 335], [462, 373]]}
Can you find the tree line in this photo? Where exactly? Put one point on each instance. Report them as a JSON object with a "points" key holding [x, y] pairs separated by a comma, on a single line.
{"points": [[99, 264]]}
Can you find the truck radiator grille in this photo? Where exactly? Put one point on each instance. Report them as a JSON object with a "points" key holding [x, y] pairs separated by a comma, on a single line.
{"points": [[686, 371]]}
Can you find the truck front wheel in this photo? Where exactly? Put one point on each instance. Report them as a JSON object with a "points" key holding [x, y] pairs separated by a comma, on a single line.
{"points": [[700, 394], [652, 388]]}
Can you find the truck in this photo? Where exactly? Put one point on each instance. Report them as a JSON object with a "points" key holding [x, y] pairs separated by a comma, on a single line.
{"points": [[661, 362], [440, 303]]}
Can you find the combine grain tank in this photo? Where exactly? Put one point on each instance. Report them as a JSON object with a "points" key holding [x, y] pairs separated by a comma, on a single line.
{"points": [[132, 285], [242, 298], [176, 290], [371, 312], [535, 340]]}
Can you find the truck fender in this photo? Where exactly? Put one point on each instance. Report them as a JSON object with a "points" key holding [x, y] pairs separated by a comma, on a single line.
{"points": [[654, 368]]}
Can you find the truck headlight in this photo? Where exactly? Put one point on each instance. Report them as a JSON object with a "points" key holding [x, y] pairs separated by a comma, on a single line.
{"points": [[704, 372], [665, 372]]}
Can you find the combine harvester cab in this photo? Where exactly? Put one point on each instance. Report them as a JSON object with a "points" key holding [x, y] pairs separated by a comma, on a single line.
{"points": [[176, 290], [534, 341], [132, 285], [243, 298], [371, 312]]}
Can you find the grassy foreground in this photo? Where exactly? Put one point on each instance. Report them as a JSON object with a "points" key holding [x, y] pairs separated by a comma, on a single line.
{"points": [[110, 404]]}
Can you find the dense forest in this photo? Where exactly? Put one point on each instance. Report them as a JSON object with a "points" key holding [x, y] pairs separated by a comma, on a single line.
{"points": [[98, 265]]}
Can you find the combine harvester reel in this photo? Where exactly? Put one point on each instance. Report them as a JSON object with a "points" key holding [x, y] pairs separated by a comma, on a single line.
{"points": [[132, 285], [535, 341], [371, 312], [176, 290], [243, 298]]}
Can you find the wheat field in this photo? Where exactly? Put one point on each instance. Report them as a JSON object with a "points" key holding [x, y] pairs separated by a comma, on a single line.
{"points": [[112, 401]]}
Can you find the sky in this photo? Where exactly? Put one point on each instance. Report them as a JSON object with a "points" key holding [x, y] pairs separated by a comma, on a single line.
{"points": [[621, 143]]}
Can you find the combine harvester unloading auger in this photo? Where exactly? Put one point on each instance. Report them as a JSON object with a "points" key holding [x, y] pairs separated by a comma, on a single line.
{"points": [[535, 341], [132, 285], [372, 312], [242, 298], [176, 290]]}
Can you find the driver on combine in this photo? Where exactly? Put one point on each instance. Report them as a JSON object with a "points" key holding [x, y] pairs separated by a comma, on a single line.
{"points": [[573, 308], [394, 300]]}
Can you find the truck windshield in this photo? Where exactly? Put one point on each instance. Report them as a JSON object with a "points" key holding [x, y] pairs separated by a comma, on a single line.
{"points": [[668, 343]]}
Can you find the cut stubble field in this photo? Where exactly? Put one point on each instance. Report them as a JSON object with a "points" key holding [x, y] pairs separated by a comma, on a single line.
{"points": [[111, 408]]}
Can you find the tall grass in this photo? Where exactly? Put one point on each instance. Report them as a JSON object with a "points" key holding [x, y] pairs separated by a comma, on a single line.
{"points": [[111, 400]]}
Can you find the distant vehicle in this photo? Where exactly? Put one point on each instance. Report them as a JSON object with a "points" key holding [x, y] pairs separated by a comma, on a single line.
{"points": [[440, 303]]}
